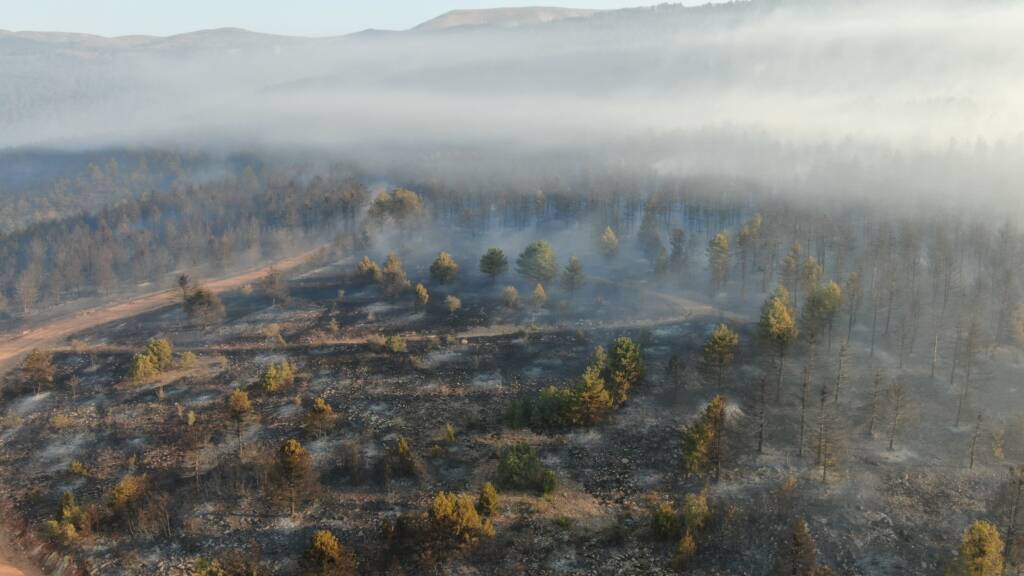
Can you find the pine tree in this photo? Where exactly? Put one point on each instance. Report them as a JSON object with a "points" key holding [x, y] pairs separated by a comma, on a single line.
{"points": [[540, 297], [778, 327], [981, 552], [38, 371], [444, 269], [719, 350], [625, 368], [422, 295], [810, 274], [591, 401], [275, 286], [897, 408], [747, 240], [805, 391], [854, 294], [842, 370], [648, 237], [678, 256], [662, 265], [238, 407], [488, 502], [820, 310], [971, 356], [294, 470], [718, 261], [791, 272], [537, 262], [703, 442], [572, 276], [796, 554], [320, 418], [876, 393], [493, 263], [609, 243], [393, 277]]}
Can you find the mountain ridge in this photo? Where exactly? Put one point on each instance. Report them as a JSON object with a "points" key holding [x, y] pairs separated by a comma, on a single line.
{"points": [[502, 17]]}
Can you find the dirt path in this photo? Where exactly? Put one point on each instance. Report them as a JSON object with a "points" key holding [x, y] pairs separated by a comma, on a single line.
{"points": [[13, 345]]}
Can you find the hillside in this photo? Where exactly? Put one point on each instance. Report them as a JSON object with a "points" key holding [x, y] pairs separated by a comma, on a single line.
{"points": [[502, 17]]}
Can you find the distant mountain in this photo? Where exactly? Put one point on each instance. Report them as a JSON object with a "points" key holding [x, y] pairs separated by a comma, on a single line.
{"points": [[502, 17], [212, 39]]}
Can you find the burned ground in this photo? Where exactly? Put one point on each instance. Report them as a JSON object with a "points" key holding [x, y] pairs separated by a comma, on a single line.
{"points": [[882, 512]]}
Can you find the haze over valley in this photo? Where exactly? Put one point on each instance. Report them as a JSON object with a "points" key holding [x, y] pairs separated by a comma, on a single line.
{"points": [[722, 289]]}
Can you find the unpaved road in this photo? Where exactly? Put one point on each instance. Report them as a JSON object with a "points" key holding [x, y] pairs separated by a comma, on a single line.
{"points": [[13, 345], [50, 334]]}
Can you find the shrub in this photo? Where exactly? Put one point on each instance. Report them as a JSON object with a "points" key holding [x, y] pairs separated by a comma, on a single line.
{"points": [[188, 360], [585, 403], [454, 516], [128, 491], [521, 469], [540, 297], [78, 469], [326, 556], [393, 277], [162, 353], [453, 303], [203, 305], [71, 521], [277, 377], [142, 368], [157, 357], [395, 344], [696, 511], [377, 342], [38, 369], [406, 463], [510, 297], [368, 270], [487, 503], [685, 552], [205, 567], [447, 434], [422, 295], [664, 521]]}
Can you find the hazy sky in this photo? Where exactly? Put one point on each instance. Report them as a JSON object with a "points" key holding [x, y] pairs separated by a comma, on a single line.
{"points": [[301, 17]]}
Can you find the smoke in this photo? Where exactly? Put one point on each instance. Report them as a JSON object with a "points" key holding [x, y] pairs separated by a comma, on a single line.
{"points": [[777, 91]]}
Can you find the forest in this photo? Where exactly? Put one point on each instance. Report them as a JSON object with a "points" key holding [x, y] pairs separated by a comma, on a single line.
{"points": [[643, 372], [729, 289]]}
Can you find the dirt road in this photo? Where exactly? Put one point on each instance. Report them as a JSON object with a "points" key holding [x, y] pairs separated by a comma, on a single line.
{"points": [[13, 345]]}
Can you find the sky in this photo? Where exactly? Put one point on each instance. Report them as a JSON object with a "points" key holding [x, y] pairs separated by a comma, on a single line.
{"points": [[296, 17]]}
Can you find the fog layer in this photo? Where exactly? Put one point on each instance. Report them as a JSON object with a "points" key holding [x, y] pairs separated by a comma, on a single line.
{"points": [[757, 83]]}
